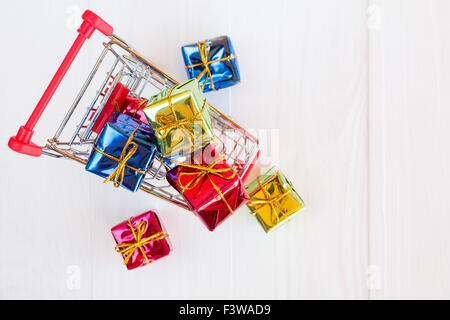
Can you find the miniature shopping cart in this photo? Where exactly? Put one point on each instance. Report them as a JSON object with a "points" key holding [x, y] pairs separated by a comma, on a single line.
{"points": [[75, 136]]}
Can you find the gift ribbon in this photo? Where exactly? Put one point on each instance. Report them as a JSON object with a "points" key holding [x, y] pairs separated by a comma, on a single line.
{"points": [[127, 248], [273, 202], [162, 131], [118, 174], [205, 172], [116, 105], [203, 49], [138, 107]]}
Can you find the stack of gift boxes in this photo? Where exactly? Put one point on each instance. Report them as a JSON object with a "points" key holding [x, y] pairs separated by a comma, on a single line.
{"points": [[176, 125]]}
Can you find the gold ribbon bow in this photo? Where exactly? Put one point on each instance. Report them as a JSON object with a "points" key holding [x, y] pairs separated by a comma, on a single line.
{"points": [[118, 173], [273, 202], [167, 124], [139, 106], [127, 248], [205, 172], [203, 49]]}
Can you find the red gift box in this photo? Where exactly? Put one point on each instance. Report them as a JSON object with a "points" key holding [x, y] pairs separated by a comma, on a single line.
{"points": [[134, 107], [120, 100], [117, 98], [141, 240], [213, 190]]}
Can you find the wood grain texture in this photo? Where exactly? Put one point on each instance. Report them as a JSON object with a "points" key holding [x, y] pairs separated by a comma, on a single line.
{"points": [[348, 99], [409, 155], [307, 80]]}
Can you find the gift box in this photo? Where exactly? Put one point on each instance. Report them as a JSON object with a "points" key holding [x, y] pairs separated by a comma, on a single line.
{"points": [[181, 118], [273, 200], [213, 62], [141, 240], [123, 152], [116, 98], [134, 107], [213, 190]]}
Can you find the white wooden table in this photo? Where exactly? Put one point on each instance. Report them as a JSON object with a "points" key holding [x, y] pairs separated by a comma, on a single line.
{"points": [[354, 95]]}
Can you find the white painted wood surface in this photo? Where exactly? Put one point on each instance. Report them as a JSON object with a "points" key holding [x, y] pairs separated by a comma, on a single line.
{"points": [[409, 155], [353, 95]]}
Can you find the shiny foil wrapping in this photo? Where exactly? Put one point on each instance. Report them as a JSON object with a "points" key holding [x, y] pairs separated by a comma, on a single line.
{"points": [[113, 139], [154, 250], [169, 161], [204, 199], [186, 100], [224, 73], [132, 106], [276, 185], [118, 95]]}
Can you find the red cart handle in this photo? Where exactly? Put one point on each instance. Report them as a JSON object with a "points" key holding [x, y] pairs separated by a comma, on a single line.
{"points": [[22, 141]]}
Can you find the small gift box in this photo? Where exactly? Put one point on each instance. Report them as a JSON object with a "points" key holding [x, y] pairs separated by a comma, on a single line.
{"points": [[273, 200], [141, 240], [117, 98], [123, 152], [181, 118], [134, 107], [213, 190], [213, 62]]}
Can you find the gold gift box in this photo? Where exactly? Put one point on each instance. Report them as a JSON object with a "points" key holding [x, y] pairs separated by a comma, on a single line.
{"points": [[273, 200], [180, 118]]}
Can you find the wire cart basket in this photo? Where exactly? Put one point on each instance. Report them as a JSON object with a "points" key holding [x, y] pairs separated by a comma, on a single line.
{"points": [[75, 136]]}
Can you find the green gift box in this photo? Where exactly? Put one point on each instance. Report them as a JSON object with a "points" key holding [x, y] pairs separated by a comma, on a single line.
{"points": [[181, 119]]}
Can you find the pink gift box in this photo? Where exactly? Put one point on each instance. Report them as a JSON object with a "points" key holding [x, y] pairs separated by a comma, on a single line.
{"points": [[141, 240]]}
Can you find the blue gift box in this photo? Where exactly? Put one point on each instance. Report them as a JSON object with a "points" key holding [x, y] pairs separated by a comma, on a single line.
{"points": [[109, 150], [223, 73]]}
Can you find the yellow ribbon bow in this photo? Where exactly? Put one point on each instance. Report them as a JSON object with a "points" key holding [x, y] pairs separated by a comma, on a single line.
{"points": [[273, 202], [127, 248], [118, 174], [168, 124], [205, 172], [203, 49]]}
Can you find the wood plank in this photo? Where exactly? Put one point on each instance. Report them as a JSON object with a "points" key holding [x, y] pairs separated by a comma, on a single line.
{"points": [[304, 66], [45, 209]]}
